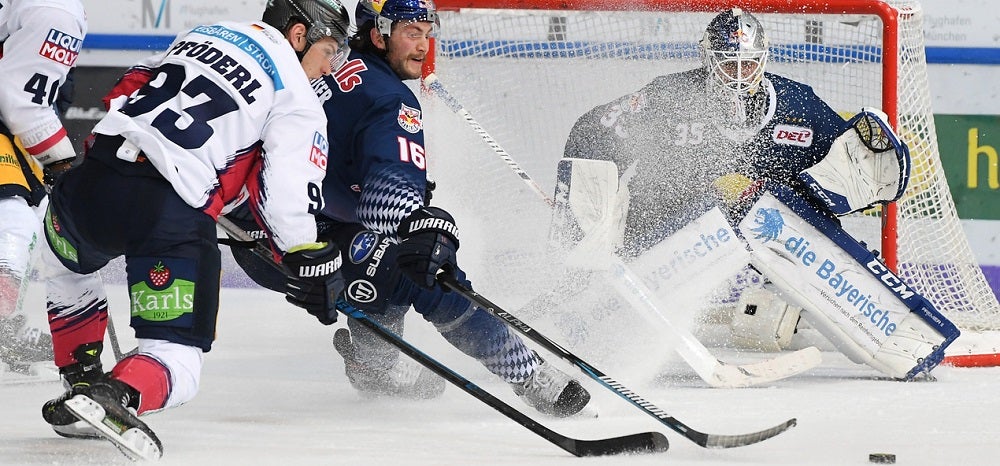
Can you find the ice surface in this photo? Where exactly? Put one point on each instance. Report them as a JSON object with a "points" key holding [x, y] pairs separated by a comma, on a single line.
{"points": [[273, 392]]}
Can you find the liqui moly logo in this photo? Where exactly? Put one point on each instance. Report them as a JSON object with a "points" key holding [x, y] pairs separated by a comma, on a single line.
{"points": [[793, 135], [61, 47], [317, 155]]}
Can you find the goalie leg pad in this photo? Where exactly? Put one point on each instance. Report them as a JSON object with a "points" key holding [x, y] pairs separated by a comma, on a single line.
{"points": [[846, 293]]}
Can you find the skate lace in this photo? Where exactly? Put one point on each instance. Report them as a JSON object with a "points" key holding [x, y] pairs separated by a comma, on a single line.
{"points": [[546, 384], [405, 372]]}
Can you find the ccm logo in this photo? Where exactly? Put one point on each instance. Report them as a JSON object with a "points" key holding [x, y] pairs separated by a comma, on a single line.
{"points": [[793, 135]]}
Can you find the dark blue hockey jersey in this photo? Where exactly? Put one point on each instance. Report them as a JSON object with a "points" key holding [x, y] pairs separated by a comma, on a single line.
{"points": [[377, 166], [681, 137]]}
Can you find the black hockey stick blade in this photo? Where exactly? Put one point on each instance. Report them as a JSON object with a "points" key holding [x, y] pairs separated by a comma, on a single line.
{"points": [[700, 438], [644, 442]]}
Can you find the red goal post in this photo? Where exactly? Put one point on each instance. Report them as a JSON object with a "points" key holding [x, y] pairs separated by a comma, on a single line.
{"points": [[853, 52]]}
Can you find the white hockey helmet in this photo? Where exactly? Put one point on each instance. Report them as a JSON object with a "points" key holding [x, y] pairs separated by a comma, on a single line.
{"points": [[734, 50]]}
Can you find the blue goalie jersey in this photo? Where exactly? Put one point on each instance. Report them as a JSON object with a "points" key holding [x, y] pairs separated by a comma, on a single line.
{"points": [[680, 137]]}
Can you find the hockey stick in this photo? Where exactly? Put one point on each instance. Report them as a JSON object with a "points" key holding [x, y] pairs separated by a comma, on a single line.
{"points": [[700, 438], [644, 442], [713, 371], [431, 82]]}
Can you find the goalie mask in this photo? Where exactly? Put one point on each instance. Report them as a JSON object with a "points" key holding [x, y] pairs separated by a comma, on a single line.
{"points": [[323, 18], [388, 12], [734, 50]]}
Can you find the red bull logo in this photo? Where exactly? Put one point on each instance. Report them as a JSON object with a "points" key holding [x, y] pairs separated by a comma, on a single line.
{"points": [[409, 119], [61, 47], [349, 75]]}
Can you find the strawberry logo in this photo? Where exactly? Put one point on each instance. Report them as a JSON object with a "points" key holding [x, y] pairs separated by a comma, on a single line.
{"points": [[159, 275], [55, 224]]}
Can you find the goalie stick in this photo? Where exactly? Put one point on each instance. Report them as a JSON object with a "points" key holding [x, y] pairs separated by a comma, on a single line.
{"points": [[643, 442], [700, 438], [712, 370]]}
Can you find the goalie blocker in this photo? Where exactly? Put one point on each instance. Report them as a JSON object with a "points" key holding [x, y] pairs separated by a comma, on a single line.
{"points": [[845, 292]]}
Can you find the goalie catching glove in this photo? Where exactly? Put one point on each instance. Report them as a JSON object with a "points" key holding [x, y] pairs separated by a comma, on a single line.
{"points": [[313, 280], [428, 242], [866, 165]]}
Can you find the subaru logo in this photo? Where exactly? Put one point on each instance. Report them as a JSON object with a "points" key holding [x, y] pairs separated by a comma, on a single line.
{"points": [[362, 246]]}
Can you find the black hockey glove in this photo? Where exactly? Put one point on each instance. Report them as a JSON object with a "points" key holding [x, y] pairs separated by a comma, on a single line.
{"points": [[429, 240], [54, 170], [313, 280]]}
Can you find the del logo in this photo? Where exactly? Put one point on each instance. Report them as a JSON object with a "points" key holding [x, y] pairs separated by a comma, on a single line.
{"points": [[61, 47], [348, 76], [409, 118], [361, 246], [317, 155], [793, 135]]}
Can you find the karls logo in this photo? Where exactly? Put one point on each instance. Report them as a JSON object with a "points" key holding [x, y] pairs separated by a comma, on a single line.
{"points": [[156, 15], [793, 135], [317, 155], [348, 76], [61, 47]]}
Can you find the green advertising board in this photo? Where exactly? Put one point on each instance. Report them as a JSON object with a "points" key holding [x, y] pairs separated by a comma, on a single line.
{"points": [[970, 149]]}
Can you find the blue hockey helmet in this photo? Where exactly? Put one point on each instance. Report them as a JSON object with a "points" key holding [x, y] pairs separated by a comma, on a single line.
{"points": [[735, 49], [388, 12], [365, 12]]}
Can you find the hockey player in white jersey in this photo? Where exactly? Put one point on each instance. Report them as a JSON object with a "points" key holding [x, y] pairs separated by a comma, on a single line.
{"points": [[226, 106], [781, 164], [41, 41]]}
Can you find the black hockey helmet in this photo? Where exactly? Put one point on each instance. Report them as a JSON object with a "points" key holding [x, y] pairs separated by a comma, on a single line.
{"points": [[323, 18]]}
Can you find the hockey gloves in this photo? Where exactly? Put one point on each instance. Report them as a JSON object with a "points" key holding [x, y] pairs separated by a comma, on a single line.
{"points": [[428, 241], [313, 279]]}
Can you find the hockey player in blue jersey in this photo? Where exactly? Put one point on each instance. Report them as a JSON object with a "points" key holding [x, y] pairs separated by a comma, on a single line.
{"points": [[376, 199], [729, 134]]}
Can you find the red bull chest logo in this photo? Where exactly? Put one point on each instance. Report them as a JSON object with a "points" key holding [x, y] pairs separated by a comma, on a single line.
{"points": [[409, 119]]}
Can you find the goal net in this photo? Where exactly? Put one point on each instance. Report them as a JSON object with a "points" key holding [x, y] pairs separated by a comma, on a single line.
{"points": [[527, 69]]}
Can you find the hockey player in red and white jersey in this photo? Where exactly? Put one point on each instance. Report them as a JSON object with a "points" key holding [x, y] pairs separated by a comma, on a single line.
{"points": [[226, 106], [41, 41]]}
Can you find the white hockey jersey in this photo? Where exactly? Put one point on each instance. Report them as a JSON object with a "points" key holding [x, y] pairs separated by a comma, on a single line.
{"points": [[41, 41], [228, 104]]}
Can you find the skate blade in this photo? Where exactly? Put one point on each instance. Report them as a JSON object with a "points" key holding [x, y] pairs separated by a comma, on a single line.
{"points": [[78, 430], [133, 443]]}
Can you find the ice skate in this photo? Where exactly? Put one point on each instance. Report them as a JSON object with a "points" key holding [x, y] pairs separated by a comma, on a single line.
{"points": [[109, 407], [76, 378], [551, 391], [404, 379]]}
